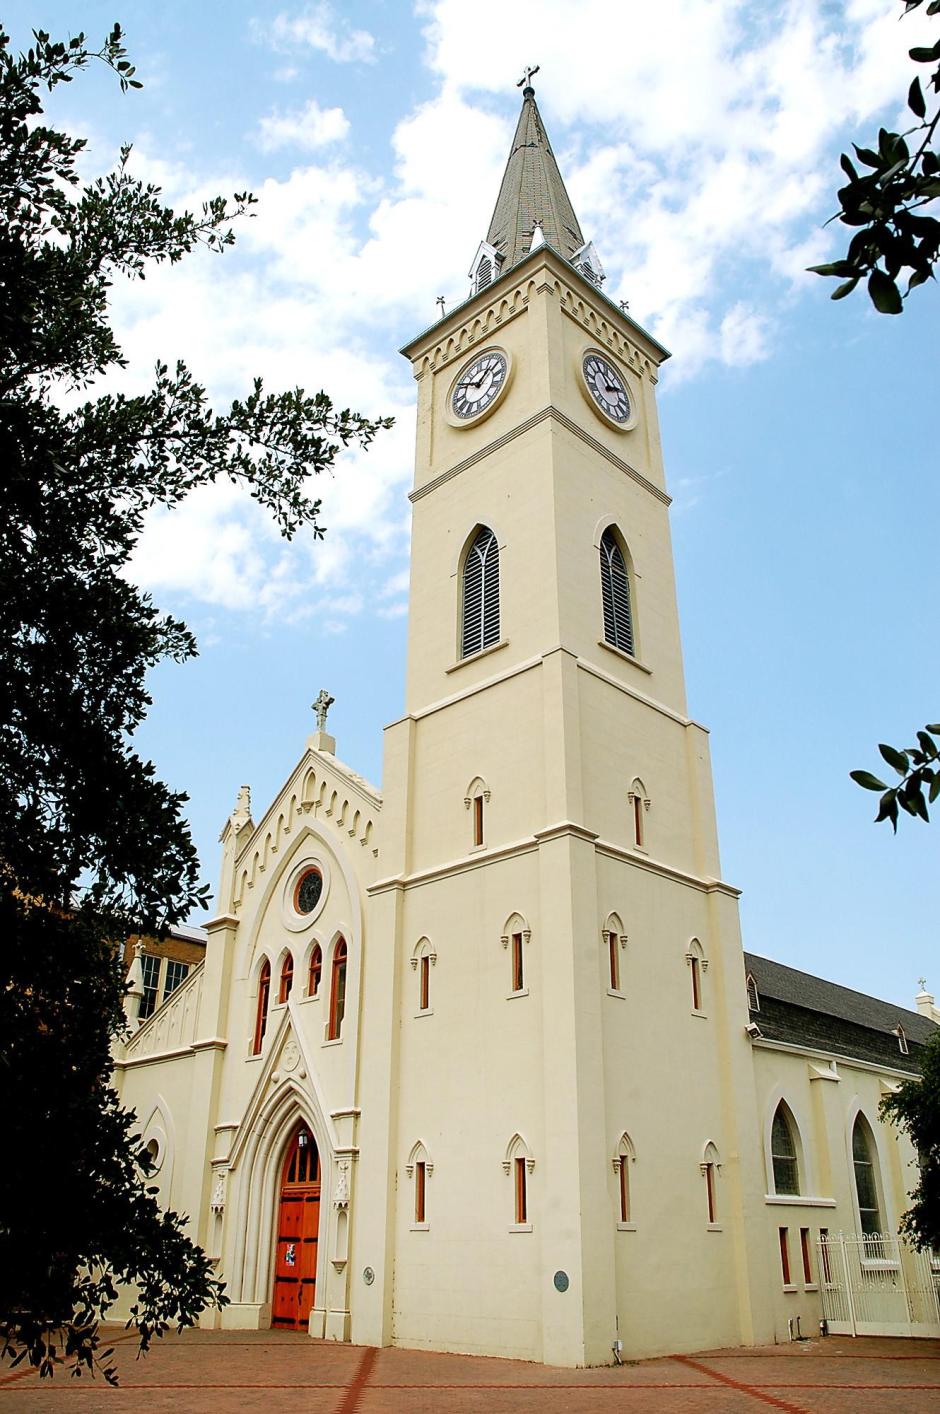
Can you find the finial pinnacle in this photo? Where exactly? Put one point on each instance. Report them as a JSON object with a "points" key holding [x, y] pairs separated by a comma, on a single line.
{"points": [[525, 83], [922, 982]]}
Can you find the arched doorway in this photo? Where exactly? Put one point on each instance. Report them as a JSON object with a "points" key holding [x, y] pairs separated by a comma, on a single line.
{"points": [[298, 1225]]}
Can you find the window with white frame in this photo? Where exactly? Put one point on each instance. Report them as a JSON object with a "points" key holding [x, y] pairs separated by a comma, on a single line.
{"points": [[615, 594], [784, 1154], [623, 1158], [479, 626], [161, 977]]}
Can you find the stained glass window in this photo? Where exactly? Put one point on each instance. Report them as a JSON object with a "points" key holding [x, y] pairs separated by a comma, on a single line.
{"points": [[308, 891]]}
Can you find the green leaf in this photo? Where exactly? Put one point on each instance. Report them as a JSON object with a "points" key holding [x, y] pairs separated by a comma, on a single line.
{"points": [[847, 165], [934, 788], [845, 289], [885, 295], [867, 781], [925, 56], [895, 758], [865, 154], [915, 99], [833, 267], [933, 726], [927, 744]]}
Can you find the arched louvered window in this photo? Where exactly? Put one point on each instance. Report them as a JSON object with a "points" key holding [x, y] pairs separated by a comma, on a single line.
{"points": [[480, 626], [615, 592], [484, 273], [864, 1161], [783, 1153]]}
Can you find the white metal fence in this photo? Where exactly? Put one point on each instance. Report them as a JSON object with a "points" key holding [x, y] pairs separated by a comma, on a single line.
{"points": [[878, 1285]]}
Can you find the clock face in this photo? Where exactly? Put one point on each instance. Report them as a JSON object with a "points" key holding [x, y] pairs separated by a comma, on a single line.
{"points": [[479, 384], [606, 386]]}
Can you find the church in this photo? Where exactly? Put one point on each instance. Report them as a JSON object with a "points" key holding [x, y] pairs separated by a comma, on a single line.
{"points": [[476, 1062]]}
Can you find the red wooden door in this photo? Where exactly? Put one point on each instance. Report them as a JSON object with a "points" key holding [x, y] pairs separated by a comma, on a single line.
{"points": [[298, 1224]]}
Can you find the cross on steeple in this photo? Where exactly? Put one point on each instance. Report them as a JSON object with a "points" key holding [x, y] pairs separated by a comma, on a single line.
{"points": [[525, 83]]}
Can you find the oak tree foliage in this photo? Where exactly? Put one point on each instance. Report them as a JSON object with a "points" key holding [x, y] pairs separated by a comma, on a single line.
{"points": [[93, 846], [889, 197]]}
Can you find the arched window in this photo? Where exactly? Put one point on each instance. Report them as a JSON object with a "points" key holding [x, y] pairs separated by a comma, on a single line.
{"points": [[615, 594], [315, 972], [864, 1161], [698, 964], [287, 979], [480, 605], [783, 1152], [419, 1168], [753, 996], [515, 938], [337, 991], [710, 1166], [261, 1015], [614, 939], [475, 799], [519, 1163], [423, 958], [639, 803], [622, 1160]]}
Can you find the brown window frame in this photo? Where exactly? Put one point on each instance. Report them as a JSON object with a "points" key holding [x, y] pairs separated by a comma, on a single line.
{"points": [[613, 946], [695, 967], [338, 990], [261, 1012], [624, 1184], [477, 820], [518, 967], [286, 980], [805, 1254], [315, 971], [421, 1177], [638, 820], [521, 1196], [424, 983], [783, 1236], [710, 1195]]}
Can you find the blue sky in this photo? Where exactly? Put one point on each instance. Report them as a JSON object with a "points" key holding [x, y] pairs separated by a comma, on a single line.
{"points": [[699, 142]]}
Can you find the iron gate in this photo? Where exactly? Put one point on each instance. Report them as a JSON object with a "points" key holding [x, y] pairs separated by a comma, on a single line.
{"points": [[878, 1285]]}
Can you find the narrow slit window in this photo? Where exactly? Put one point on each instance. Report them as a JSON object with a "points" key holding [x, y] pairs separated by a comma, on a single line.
{"points": [[521, 1196], [261, 1014], [613, 950], [783, 1234], [480, 607], [421, 1175], [424, 983], [638, 821], [710, 1194], [804, 1250], [615, 594], [753, 996], [624, 1178], [316, 971], [695, 967], [824, 1254], [518, 975], [337, 992], [477, 819], [287, 979]]}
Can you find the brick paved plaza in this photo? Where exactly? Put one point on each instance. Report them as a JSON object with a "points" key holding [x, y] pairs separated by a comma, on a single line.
{"points": [[273, 1371]]}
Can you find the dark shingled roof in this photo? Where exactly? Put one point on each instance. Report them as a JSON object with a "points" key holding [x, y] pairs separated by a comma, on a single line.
{"points": [[808, 1011], [532, 190]]}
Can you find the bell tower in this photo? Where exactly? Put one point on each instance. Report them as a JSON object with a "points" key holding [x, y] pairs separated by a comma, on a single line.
{"points": [[555, 1011]]}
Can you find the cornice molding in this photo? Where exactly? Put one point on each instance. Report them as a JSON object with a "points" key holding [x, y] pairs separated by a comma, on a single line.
{"points": [[550, 412]]}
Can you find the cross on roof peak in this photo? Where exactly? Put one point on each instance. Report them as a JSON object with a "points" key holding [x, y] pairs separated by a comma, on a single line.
{"points": [[525, 83]]}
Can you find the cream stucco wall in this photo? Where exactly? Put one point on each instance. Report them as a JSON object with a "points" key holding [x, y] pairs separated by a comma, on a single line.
{"points": [[554, 727]]}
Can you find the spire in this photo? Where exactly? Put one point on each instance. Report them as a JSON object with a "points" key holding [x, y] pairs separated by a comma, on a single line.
{"points": [[532, 192]]}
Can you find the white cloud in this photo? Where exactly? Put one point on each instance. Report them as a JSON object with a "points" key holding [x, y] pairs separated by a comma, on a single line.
{"points": [[319, 27], [700, 158], [308, 127]]}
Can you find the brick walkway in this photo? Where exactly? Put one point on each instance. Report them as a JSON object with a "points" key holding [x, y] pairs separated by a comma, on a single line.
{"points": [[274, 1371]]}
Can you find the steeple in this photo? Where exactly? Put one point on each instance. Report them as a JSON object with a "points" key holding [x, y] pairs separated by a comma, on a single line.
{"points": [[533, 205]]}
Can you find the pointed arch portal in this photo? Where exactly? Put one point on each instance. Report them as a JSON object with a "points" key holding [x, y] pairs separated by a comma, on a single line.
{"points": [[298, 1231]]}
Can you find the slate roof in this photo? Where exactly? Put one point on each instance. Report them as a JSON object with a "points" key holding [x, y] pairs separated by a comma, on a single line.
{"points": [[803, 1010], [532, 190]]}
